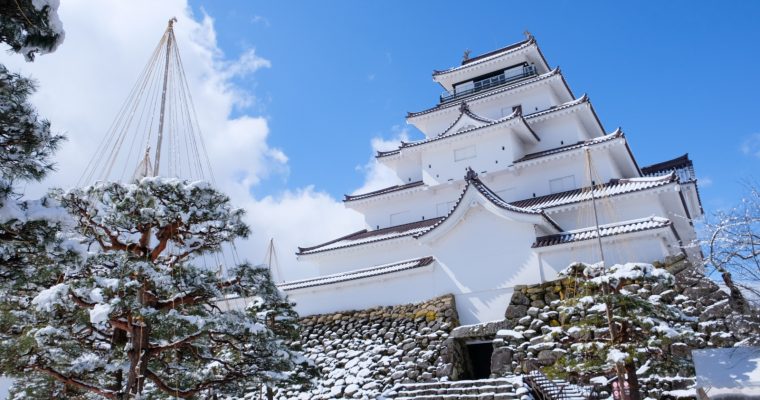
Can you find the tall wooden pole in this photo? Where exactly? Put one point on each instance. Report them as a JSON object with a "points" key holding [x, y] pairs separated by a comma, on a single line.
{"points": [[169, 37]]}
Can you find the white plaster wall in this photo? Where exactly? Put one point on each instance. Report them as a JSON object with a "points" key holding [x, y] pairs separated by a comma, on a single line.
{"points": [[522, 183], [539, 97], [609, 210], [646, 247], [414, 286], [482, 259], [479, 261], [494, 151], [359, 257]]}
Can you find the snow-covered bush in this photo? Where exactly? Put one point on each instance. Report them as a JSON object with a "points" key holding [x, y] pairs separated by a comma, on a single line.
{"points": [[619, 327]]}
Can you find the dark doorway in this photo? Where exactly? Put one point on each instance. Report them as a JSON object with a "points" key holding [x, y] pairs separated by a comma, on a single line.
{"points": [[480, 357]]}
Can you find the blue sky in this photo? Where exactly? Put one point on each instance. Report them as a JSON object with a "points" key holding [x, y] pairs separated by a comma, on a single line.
{"points": [[677, 76]]}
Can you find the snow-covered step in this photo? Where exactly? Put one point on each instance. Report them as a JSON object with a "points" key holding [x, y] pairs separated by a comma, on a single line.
{"points": [[485, 389]]}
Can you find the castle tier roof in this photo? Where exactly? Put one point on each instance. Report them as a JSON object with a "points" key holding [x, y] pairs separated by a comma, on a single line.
{"points": [[512, 117], [365, 236], [419, 228], [682, 162], [614, 135], [489, 56], [614, 187], [619, 228], [390, 189], [474, 182], [489, 92], [358, 274], [532, 206]]}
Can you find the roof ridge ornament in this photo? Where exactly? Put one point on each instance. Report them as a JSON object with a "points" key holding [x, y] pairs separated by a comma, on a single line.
{"points": [[471, 175], [464, 107], [466, 55]]}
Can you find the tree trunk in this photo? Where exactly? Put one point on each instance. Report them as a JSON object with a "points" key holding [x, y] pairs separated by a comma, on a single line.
{"points": [[633, 380], [138, 359], [736, 298]]}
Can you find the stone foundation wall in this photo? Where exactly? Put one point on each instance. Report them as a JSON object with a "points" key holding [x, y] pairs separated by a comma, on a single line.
{"points": [[538, 323], [361, 354]]}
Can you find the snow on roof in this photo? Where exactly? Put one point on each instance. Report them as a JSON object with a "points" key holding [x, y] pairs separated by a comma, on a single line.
{"points": [[365, 236], [602, 139], [419, 228], [613, 188], [510, 117], [390, 189], [357, 274], [487, 93], [617, 228], [473, 181], [489, 56], [464, 110]]}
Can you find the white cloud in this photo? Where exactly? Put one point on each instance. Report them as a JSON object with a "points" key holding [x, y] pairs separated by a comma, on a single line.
{"points": [[377, 175], [705, 182], [82, 86], [751, 145], [258, 19]]}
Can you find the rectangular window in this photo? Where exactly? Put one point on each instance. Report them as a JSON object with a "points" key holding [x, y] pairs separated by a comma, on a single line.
{"points": [[463, 87], [399, 218], [562, 184], [443, 208], [465, 153]]}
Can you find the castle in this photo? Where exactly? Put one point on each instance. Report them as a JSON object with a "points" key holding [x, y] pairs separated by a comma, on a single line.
{"points": [[515, 179]]}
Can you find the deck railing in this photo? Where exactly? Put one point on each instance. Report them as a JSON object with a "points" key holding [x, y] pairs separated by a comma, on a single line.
{"points": [[489, 83]]}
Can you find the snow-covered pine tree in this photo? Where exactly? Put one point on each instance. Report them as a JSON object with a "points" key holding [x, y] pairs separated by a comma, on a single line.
{"points": [[146, 313], [31, 27], [644, 326], [29, 229]]}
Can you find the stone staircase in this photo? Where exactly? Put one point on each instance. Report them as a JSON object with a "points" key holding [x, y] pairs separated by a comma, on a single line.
{"points": [[544, 388], [483, 389]]}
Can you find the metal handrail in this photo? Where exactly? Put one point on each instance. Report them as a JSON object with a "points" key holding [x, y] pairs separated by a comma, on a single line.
{"points": [[543, 387], [499, 80]]}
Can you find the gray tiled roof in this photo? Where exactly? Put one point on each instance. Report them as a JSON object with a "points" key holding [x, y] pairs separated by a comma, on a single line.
{"points": [[613, 188], [619, 228], [357, 274]]}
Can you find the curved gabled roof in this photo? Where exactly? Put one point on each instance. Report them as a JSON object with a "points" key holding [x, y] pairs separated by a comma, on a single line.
{"points": [[419, 228], [512, 117], [474, 183], [464, 111]]}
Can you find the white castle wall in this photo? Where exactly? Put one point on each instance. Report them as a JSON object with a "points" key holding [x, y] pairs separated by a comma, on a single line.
{"points": [[479, 261], [511, 185]]}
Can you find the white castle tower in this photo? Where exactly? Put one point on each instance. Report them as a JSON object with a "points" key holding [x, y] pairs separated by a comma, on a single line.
{"points": [[498, 194]]}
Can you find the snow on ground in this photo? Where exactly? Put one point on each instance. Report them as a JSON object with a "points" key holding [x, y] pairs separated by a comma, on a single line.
{"points": [[728, 371]]}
